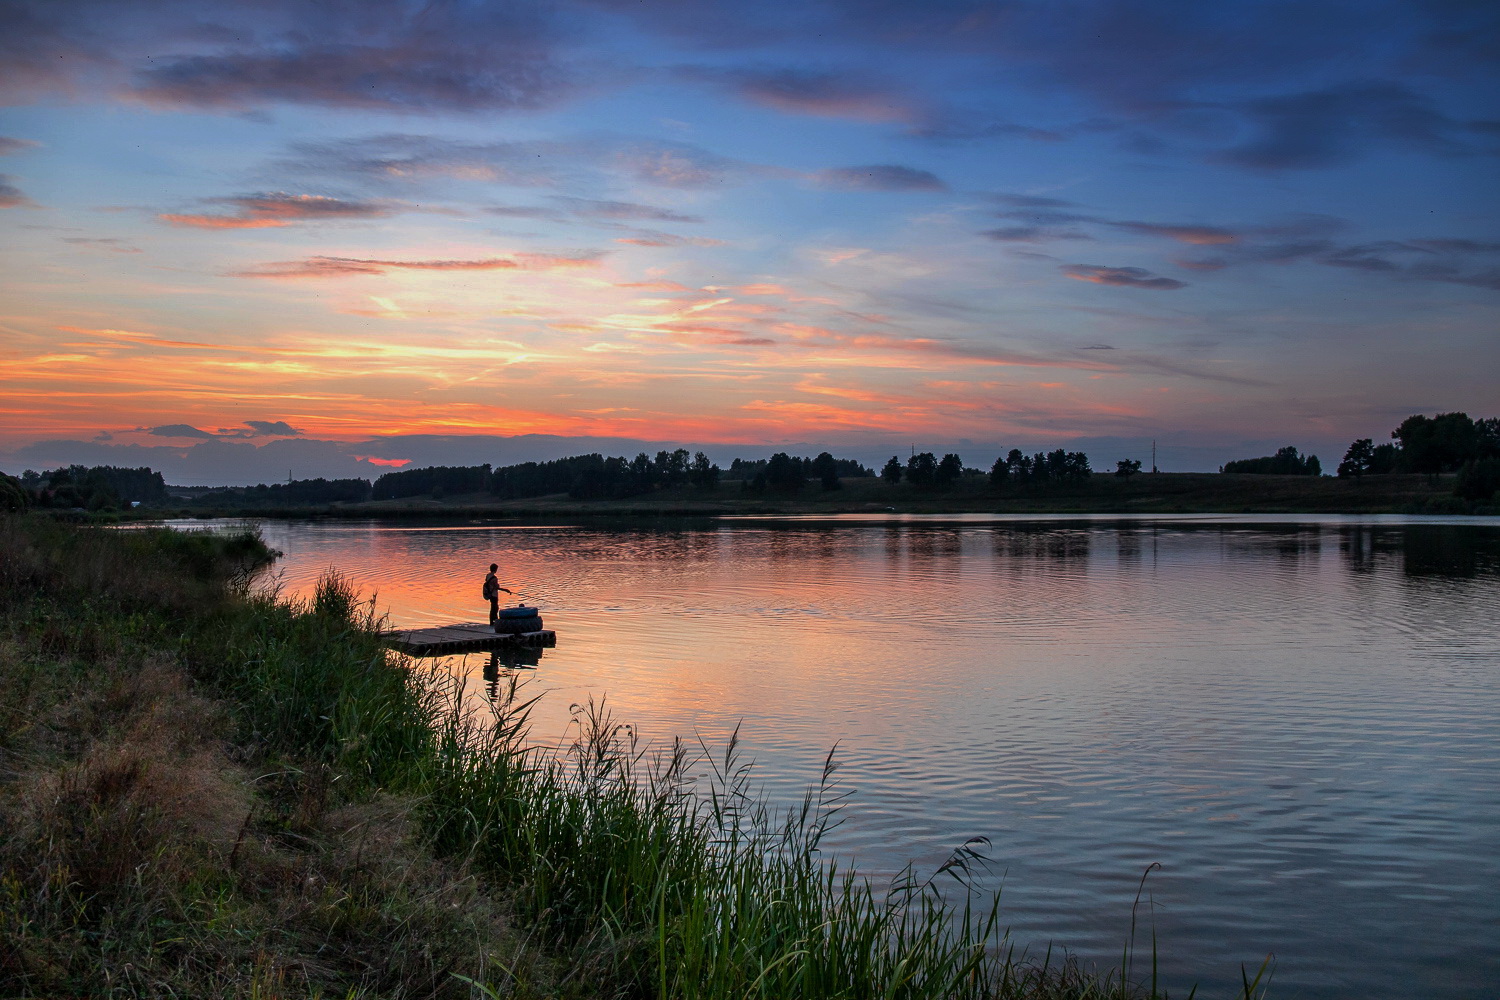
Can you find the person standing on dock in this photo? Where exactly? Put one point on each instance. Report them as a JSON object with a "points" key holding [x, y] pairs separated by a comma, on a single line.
{"points": [[492, 591]]}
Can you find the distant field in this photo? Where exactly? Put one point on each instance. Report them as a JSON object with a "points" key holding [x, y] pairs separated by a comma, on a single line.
{"points": [[1145, 493]]}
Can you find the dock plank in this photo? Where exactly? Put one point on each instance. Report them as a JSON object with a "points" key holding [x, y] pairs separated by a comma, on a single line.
{"points": [[462, 637]]}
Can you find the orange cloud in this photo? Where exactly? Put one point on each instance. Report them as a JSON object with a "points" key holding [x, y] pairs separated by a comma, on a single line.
{"points": [[336, 267], [659, 286], [132, 337], [277, 209], [221, 222]]}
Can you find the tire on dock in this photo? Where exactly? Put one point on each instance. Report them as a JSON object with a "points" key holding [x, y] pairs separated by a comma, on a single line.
{"points": [[515, 626]]}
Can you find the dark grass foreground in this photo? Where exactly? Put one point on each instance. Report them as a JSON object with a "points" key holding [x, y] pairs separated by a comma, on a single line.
{"points": [[205, 791]]}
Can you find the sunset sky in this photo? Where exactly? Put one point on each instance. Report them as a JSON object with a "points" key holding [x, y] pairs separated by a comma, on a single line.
{"points": [[346, 236]]}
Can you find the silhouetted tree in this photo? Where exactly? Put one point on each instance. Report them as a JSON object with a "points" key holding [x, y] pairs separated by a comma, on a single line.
{"points": [[921, 469], [784, 472], [12, 494], [1357, 459], [999, 472], [1020, 469], [1488, 432], [949, 469], [1127, 467], [1437, 444], [827, 471], [1385, 459], [704, 473], [891, 473], [640, 470]]}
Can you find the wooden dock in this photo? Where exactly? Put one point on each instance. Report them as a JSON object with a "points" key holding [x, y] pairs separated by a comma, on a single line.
{"points": [[465, 637]]}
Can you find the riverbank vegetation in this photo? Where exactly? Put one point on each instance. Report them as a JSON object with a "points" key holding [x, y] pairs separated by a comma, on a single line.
{"points": [[205, 791], [1447, 443]]}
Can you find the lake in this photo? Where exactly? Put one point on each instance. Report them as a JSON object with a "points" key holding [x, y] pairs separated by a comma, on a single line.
{"points": [[1298, 718]]}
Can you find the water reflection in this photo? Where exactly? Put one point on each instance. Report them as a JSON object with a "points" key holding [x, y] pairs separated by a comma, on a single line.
{"points": [[1296, 718], [506, 662], [1432, 550]]}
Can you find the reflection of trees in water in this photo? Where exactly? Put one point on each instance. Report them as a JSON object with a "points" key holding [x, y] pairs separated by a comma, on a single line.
{"points": [[1128, 544], [1358, 548], [1456, 550], [1051, 543], [1291, 543], [935, 543], [895, 543], [1303, 545], [1449, 550]]}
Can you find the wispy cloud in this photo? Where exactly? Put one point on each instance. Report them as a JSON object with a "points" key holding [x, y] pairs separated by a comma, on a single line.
{"points": [[109, 243], [404, 160], [12, 196], [808, 92], [625, 211], [880, 177], [1325, 128], [338, 267], [382, 55], [10, 145], [652, 239], [276, 209], [1195, 235], [1123, 277]]}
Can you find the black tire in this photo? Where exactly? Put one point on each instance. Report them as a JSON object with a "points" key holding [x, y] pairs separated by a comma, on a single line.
{"points": [[515, 626]]}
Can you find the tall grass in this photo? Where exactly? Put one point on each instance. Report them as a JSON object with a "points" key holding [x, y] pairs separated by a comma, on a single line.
{"points": [[697, 892]]}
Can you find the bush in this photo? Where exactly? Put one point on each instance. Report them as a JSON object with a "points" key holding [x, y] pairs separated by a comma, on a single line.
{"points": [[1479, 479]]}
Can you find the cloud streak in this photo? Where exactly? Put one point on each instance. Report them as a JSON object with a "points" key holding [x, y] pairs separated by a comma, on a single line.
{"points": [[1120, 277], [277, 209], [12, 196], [341, 267], [802, 91], [880, 177]]}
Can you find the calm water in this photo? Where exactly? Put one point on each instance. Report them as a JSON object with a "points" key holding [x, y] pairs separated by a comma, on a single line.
{"points": [[1299, 719]]}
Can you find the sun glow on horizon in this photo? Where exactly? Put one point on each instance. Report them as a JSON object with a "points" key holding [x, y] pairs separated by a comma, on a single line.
{"points": [[744, 257]]}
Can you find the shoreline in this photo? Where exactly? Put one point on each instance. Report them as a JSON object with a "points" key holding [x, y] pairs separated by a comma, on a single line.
{"points": [[1103, 494]]}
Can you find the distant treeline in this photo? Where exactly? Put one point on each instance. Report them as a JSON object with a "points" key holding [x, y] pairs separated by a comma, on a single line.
{"points": [[294, 493], [1448, 442], [1052, 467], [99, 487], [789, 466], [436, 479], [594, 477], [1286, 462]]}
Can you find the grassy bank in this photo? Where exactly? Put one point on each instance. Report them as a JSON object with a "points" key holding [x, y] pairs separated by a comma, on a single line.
{"points": [[209, 792], [1167, 493]]}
